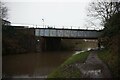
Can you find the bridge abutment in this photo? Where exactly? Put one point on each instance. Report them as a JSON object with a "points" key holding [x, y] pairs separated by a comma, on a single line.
{"points": [[48, 44]]}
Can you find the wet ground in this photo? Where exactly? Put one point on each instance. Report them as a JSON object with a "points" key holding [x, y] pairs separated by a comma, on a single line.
{"points": [[32, 64], [93, 67]]}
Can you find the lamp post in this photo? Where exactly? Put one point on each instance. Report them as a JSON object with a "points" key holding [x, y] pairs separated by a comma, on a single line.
{"points": [[43, 22]]}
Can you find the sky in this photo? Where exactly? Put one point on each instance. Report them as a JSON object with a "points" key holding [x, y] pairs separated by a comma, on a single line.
{"points": [[56, 13]]}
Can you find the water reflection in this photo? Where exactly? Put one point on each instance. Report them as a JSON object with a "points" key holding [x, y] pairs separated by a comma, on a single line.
{"points": [[33, 64]]}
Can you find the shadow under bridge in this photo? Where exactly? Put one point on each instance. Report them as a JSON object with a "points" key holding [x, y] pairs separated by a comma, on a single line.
{"points": [[49, 39]]}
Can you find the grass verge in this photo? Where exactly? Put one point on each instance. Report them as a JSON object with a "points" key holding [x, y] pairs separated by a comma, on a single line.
{"points": [[111, 59], [68, 69]]}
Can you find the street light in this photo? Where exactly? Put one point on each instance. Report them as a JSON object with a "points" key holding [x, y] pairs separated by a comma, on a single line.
{"points": [[43, 22]]}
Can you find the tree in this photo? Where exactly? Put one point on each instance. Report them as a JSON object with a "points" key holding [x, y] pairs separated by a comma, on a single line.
{"points": [[103, 10], [112, 26], [108, 13], [3, 11]]}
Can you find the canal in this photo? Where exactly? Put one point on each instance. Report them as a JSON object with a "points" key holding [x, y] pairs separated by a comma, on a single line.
{"points": [[32, 64], [41, 64]]}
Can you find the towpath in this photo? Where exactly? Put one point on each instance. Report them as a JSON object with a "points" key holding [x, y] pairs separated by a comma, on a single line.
{"points": [[93, 67]]}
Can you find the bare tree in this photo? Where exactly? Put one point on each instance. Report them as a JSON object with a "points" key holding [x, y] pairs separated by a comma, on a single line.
{"points": [[103, 10], [3, 11], [108, 12]]}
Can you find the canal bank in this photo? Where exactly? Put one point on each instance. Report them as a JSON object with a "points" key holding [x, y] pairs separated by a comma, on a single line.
{"points": [[68, 69], [111, 59], [82, 65]]}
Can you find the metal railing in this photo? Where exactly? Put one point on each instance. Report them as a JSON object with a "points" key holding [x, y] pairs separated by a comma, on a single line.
{"points": [[50, 26]]}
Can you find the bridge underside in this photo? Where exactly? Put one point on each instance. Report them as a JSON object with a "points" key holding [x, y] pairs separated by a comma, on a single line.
{"points": [[48, 44], [71, 37], [52, 43]]}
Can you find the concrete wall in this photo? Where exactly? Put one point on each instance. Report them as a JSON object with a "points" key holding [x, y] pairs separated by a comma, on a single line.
{"points": [[18, 40]]}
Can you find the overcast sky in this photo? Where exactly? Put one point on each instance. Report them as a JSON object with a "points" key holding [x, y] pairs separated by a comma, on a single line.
{"points": [[55, 13]]}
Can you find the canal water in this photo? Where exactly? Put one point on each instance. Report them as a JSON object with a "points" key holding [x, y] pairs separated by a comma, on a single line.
{"points": [[41, 64], [33, 64]]}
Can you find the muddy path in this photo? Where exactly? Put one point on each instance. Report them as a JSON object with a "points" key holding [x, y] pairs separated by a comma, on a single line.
{"points": [[93, 67]]}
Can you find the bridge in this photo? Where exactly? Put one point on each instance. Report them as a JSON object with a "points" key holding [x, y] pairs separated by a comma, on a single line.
{"points": [[50, 38], [67, 33], [48, 31]]}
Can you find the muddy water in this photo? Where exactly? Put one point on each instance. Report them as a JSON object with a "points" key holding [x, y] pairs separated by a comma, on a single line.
{"points": [[33, 64]]}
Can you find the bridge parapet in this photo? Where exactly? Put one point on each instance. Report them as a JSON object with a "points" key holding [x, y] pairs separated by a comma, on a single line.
{"points": [[69, 33]]}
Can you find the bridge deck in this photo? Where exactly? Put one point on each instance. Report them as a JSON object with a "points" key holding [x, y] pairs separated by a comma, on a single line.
{"points": [[69, 33]]}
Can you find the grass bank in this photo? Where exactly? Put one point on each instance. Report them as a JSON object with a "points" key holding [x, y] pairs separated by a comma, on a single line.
{"points": [[111, 59], [68, 69]]}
